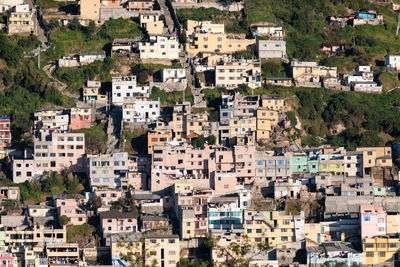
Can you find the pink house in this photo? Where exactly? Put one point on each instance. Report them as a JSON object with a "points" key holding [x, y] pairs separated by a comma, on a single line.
{"points": [[70, 208], [8, 260], [373, 221], [224, 183], [115, 222], [245, 164], [9, 193], [109, 196], [80, 118], [172, 163]]}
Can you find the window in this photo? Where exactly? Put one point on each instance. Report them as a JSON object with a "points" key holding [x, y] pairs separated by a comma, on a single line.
{"points": [[172, 252], [381, 254], [370, 254], [381, 245], [369, 245], [367, 218], [381, 220]]}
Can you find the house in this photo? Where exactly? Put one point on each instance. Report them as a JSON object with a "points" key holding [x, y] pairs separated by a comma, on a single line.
{"points": [[372, 221], [205, 36], [310, 74], [139, 5], [231, 74], [334, 251], [109, 195], [174, 76], [5, 134], [107, 170], [80, 118], [271, 167], [91, 93], [68, 62], [159, 47], [72, 209], [141, 110], [21, 20], [369, 17], [151, 22], [270, 31], [51, 120], [87, 58], [392, 63], [165, 250], [122, 244], [6, 5], [287, 82], [9, 193], [340, 21], [125, 89], [63, 254], [115, 222], [152, 222], [363, 81], [89, 9], [123, 46], [380, 249], [53, 151], [157, 138], [271, 49], [336, 48]]}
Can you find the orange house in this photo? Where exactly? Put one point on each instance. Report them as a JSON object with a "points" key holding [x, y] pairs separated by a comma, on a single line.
{"points": [[158, 138]]}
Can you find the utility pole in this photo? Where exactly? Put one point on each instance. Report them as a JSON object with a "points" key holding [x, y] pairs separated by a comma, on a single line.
{"points": [[398, 24], [38, 61]]}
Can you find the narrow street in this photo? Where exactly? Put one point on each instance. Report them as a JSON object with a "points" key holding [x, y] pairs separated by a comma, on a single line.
{"points": [[167, 15]]}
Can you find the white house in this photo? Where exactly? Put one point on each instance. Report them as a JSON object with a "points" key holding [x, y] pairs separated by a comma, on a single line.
{"points": [[125, 88], [271, 49], [392, 63], [271, 31], [159, 47], [363, 81], [87, 58], [141, 111], [174, 76]]}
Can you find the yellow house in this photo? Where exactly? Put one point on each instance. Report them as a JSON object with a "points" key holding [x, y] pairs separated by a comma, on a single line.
{"points": [[272, 103], [393, 224], [205, 36], [187, 222], [274, 227], [266, 120], [162, 250], [379, 249], [310, 71], [179, 119], [183, 188], [242, 126], [195, 123], [157, 138], [375, 156], [315, 232], [151, 22], [335, 166], [90, 9]]}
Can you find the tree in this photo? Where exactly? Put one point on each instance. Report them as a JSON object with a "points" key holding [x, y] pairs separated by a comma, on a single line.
{"points": [[95, 202], [75, 25], [90, 30], [198, 142], [63, 220], [211, 140]]}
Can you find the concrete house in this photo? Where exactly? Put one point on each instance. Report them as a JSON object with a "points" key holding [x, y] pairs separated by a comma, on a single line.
{"points": [[115, 222], [125, 89], [273, 32], [91, 93], [151, 22], [141, 110], [392, 63], [159, 47], [21, 20], [174, 76], [310, 74], [271, 49], [231, 74]]}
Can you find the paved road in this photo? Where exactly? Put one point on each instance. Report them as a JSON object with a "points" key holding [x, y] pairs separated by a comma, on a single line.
{"points": [[114, 131]]}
